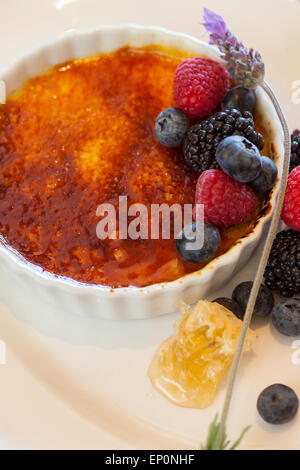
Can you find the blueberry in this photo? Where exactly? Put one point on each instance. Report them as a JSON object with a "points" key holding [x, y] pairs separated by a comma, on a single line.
{"points": [[231, 305], [171, 127], [264, 302], [239, 158], [286, 317], [278, 404], [266, 180], [240, 98], [206, 251]]}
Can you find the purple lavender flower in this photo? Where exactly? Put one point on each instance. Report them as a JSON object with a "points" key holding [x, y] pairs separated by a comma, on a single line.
{"points": [[214, 23], [245, 66]]}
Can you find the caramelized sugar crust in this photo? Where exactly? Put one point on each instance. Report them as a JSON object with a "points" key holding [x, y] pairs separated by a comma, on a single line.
{"points": [[79, 136]]}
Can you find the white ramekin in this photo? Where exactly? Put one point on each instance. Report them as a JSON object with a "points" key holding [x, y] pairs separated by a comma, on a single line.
{"points": [[127, 303]]}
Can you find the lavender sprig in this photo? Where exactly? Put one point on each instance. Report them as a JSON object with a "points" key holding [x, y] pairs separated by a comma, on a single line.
{"points": [[244, 65], [248, 69], [223, 444]]}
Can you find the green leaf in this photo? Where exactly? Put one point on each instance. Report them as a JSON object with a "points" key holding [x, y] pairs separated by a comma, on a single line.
{"points": [[215, 441], [237, 443]]}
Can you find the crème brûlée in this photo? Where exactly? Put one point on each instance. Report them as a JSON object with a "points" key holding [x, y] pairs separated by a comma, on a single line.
{"points": [[82, 135]]}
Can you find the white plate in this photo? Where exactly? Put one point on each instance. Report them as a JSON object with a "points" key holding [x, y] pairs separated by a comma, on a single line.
{"points": [[70, 383]]}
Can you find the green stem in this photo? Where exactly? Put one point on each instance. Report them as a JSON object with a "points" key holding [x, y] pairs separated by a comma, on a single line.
{"points": [[261, 268]]}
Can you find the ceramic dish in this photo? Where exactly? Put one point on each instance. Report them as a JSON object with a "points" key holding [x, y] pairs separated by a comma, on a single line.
{"points": [[126, 303]]}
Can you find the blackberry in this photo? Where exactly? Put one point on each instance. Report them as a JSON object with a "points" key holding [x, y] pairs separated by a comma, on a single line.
{"points": [[295, 150], [203, 139], [283, 269]]}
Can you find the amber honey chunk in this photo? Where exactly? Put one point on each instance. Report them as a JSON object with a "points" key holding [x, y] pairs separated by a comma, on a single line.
{"points": [[82, 135], [189, 367]]}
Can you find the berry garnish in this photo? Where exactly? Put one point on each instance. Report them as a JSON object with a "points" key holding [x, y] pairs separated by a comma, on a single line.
{"points": [[264, 302], [295, 133], [291, 206], [171, 127], [200, 85], [210, 238], [295, 149], [278, 404], [283, 269], [226, 202], [203, 139], [239, 158], [286, 317], [231, 305], [240, 98], [267, 178]]}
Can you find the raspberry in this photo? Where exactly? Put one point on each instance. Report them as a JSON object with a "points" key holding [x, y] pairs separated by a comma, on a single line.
{"points": [[200, 85], [291, 206], [226, 202]]}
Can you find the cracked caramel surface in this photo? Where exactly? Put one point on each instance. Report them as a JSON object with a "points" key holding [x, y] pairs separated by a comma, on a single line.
{"points": [[82, 135]]}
